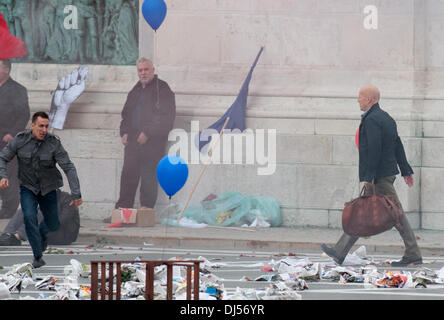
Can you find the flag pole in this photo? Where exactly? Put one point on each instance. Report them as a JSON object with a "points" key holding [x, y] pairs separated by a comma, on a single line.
{"points": [[203, 170]]}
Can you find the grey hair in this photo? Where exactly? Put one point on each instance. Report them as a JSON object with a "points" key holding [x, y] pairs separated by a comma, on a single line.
{"points": [[143, 59]]}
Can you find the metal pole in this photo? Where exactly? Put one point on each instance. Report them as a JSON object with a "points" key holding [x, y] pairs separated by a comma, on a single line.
{"points": [[94, 280]]}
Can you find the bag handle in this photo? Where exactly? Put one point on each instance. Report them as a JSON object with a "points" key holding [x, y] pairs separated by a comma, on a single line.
{"points": [[372, 185]]}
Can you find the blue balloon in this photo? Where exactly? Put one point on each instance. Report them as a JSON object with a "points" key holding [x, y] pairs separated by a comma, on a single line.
{"points": [[154, 12], [172, 173]]}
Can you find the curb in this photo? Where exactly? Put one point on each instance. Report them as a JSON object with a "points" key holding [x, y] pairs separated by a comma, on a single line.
{"points": [[241, 244]]}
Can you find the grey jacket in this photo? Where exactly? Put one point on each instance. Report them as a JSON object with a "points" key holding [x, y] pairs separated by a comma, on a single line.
{"points": [[37, 163]]}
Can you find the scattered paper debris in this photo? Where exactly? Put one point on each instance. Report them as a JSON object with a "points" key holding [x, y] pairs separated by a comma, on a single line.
{"points": [[283, 279]]}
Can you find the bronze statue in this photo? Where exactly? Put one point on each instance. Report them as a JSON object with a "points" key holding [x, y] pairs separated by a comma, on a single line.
{"points": [[21, 13], [105, 32], [47, 17]]}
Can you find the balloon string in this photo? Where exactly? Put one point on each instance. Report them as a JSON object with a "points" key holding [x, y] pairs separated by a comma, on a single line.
{"points": [[166, 229], [155, 47]]}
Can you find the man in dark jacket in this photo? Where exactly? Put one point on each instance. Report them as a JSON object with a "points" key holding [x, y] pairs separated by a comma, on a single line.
{"points": [[38, 152], [380, 153], [14, 116], [14, 232], [147, 118]]}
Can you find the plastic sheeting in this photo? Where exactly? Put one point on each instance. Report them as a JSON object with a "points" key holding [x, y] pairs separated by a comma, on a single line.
{"points": [[231, 209]]}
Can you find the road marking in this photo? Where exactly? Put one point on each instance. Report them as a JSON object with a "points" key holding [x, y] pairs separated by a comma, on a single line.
{"points": [[379, 291]]}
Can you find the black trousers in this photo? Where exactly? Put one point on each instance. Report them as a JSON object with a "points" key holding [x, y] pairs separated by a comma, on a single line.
{"points": [[139, 165], [11, 195]]}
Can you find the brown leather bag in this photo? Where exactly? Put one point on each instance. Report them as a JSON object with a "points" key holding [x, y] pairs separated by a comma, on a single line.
{"points": [[370, 214]]}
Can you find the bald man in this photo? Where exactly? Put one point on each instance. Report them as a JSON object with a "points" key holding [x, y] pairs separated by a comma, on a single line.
{"points": [[380, 153]]}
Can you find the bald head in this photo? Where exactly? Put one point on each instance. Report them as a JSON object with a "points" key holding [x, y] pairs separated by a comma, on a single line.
{"points": [[368, 96]]}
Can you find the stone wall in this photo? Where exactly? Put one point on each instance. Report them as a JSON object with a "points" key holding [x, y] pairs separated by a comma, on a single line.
{"points": [[317, 55]]}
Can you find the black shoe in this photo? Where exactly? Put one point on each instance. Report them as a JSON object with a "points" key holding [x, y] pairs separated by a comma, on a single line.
{"points": [[107, 220], [37, 263], [332, 254], [406, 261], [44, 243], [9, 240]]}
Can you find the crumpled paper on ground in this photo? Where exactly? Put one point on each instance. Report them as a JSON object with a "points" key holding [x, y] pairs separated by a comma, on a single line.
{"points": [[78, 269], [371, 277], [18, 278], [395, 279], [286, 278], [358, 257], [268, 294], [291, 269], [184, 222], [4, 291], [21, 276], [343, 274]]}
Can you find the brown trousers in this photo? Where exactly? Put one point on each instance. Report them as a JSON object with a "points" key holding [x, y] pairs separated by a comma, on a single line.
{"points": [[384, 186]]}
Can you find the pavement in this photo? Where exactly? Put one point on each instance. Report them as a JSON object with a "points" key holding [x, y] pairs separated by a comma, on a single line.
{"points": [[277, 239]]}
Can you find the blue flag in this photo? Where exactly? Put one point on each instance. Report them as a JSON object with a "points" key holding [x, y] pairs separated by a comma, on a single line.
{"points": [[236, 112]]}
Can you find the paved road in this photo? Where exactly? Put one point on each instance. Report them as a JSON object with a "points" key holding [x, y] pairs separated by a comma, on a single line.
{"points": [[237, 266]]}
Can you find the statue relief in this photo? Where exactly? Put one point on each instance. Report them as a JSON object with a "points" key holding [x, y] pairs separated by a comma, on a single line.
{"points": [[6, 11], [75, 31], [120, 31], [46, 21], [21, 10]]}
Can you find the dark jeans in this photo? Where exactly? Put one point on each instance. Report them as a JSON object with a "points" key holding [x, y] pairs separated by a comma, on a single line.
{"points": [[49, 208], [11, 195], [139, 164]]}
